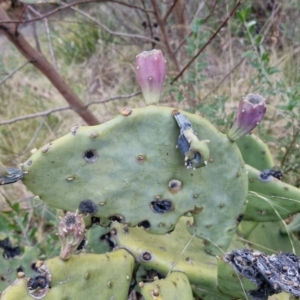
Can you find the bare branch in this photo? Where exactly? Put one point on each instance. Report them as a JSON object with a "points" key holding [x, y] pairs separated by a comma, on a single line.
{"points": [[165, 17], [137, 36], [42, 64], [31, 116], [223, 79], [114, 98], [51, 111], [14, 71], [133, 6], [54, 11], [50, 44], [163, 29], [208, 42]]}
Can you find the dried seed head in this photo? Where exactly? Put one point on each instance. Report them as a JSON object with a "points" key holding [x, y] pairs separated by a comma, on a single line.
{"points": [[71, 232]]}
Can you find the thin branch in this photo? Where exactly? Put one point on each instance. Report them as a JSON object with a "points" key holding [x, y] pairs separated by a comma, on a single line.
{"points": [[223, 79], [33, 25], [31, 116], [43, 65], [166, 16], [51, 111], [163, 29], [290, 148], [113, 98], [50, 44], [133, 6], [208, 42], [137, 36], [14, 71], [54, 11]]}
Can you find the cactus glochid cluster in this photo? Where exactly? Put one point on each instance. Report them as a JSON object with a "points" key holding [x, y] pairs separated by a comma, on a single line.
{"points": [[156, 197]]}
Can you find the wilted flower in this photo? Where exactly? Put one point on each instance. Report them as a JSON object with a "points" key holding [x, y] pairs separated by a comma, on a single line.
{"points": [[250, 112], [150, 72], [71, 232]]}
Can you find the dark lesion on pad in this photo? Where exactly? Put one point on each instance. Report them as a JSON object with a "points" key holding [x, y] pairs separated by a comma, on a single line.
{"points": [[145, 224], [90, 156], [87, 207], [162, 206]]}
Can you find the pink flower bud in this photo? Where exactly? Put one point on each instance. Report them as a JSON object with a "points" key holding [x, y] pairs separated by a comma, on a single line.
{"points": [[150, 72], [71, 232], [251, 110]]}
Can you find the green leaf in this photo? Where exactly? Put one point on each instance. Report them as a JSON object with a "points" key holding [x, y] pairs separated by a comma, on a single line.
{"points": [[250, 24], [258, 39]]}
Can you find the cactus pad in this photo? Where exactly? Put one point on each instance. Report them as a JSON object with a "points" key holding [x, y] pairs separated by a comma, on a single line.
{"points": [[255, 152], [176, 287], [126, 167], [84, 276], [270, 199]]}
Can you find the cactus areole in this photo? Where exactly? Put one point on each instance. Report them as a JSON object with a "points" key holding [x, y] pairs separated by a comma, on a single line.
{"points": [[130, 168]]}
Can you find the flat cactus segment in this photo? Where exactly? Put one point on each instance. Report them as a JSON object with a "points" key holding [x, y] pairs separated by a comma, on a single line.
{"points": [[270, 199], [126, 167], [9, 268], [255, 152], [267, 237], [84, 276], [174, 287], [177, 251], [293, 226]]}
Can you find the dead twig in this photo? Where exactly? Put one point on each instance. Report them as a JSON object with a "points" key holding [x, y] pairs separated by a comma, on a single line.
{"points": [[51, 111], [42, 64], [54, 11], [208, 42], [137, 36], [14, 72]]}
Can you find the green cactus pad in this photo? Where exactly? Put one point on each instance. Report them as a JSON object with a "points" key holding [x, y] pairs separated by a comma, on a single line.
{"points": [[255, 152], [9, 267], [176, 251], [267, 237], [96, 241], [293, 226], [270, 200], [176, 286], [127, 167], [84, 276]]}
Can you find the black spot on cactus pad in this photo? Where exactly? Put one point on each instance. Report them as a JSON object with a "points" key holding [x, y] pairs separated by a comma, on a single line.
{"points": [[20, 269], [107, 237], [95, 220], [90, 156], [146, 256], [34, 267], [87, 207], [38, 281], [81, 245], [9, 251], [119, 219], [150, 274], [145, 224], [240, 218], [161, 206], [267, 175]]}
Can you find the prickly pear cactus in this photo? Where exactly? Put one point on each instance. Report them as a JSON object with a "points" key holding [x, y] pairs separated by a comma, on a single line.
{"points": [[176, 286], [255, 152], [130, 169], [9, 267], [84, 276], [269, 198]]}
